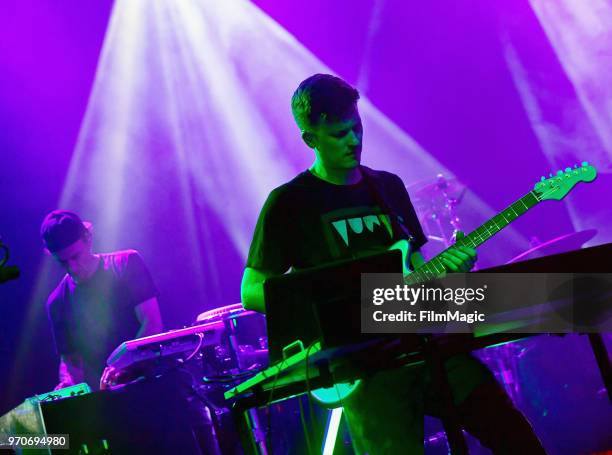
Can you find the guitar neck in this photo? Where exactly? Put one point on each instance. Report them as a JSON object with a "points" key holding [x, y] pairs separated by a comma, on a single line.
{"points": [[435, 266]]}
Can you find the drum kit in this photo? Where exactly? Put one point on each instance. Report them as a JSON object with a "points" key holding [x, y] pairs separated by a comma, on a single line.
{"points": [[241, 352], [243, 345]]}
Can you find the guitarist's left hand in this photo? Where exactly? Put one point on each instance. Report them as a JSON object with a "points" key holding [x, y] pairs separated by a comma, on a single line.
{"points": [[459, 259]]}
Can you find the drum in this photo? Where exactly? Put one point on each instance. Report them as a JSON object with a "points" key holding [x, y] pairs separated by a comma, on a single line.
{"points": [[242, 351], [243, 345]]}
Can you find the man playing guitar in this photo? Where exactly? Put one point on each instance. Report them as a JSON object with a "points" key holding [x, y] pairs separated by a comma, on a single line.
{"points": [[339, 209]]}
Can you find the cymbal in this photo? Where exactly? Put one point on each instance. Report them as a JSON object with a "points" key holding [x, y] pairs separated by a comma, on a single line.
{"points": [[435, 196], [561, 244], [220, 313], [427, 189]]}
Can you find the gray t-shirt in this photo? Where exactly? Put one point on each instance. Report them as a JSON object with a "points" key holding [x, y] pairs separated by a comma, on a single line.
{"points": [[93, 317]]}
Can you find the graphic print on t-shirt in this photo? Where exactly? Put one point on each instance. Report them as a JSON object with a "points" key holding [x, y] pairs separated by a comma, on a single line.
{"points": [[357, 230]]}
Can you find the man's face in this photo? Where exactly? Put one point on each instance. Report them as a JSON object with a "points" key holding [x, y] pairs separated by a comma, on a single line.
{"points": [[338, 144], [75, 259]]}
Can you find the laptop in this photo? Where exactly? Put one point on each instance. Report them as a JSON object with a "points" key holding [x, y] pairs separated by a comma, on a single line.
{"points": [[321, 304]]}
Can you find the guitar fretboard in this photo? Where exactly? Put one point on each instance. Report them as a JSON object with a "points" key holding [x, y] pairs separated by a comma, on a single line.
{"points": [[435, 267]]}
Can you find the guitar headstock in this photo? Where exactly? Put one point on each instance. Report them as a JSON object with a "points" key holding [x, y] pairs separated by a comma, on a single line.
{"points": [[557, 186]]}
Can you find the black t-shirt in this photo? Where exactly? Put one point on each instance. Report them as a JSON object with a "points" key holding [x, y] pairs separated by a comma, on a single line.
{"points": [[308, 221], [93, 317]]}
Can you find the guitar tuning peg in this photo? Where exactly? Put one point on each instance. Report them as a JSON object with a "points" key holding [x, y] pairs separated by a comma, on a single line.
{"points": [[568, 169], [585, 163], [559, 172], [542, 178], [550, 175], [575, 166]]}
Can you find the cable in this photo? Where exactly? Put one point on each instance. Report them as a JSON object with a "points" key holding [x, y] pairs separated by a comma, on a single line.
{"points": [[268, 435], [231, 377], [9, 272], [195, 351], [6, 256], [310, 406]]}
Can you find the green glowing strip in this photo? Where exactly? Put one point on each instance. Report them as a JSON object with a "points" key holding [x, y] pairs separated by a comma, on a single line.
{"points": [[492, 329]]}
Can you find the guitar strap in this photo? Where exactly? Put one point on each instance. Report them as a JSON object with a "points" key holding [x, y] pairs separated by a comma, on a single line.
{"points": [[378, 194]]}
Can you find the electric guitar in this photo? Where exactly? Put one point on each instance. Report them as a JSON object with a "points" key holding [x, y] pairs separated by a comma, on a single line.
{"points": [[553, 188]]}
